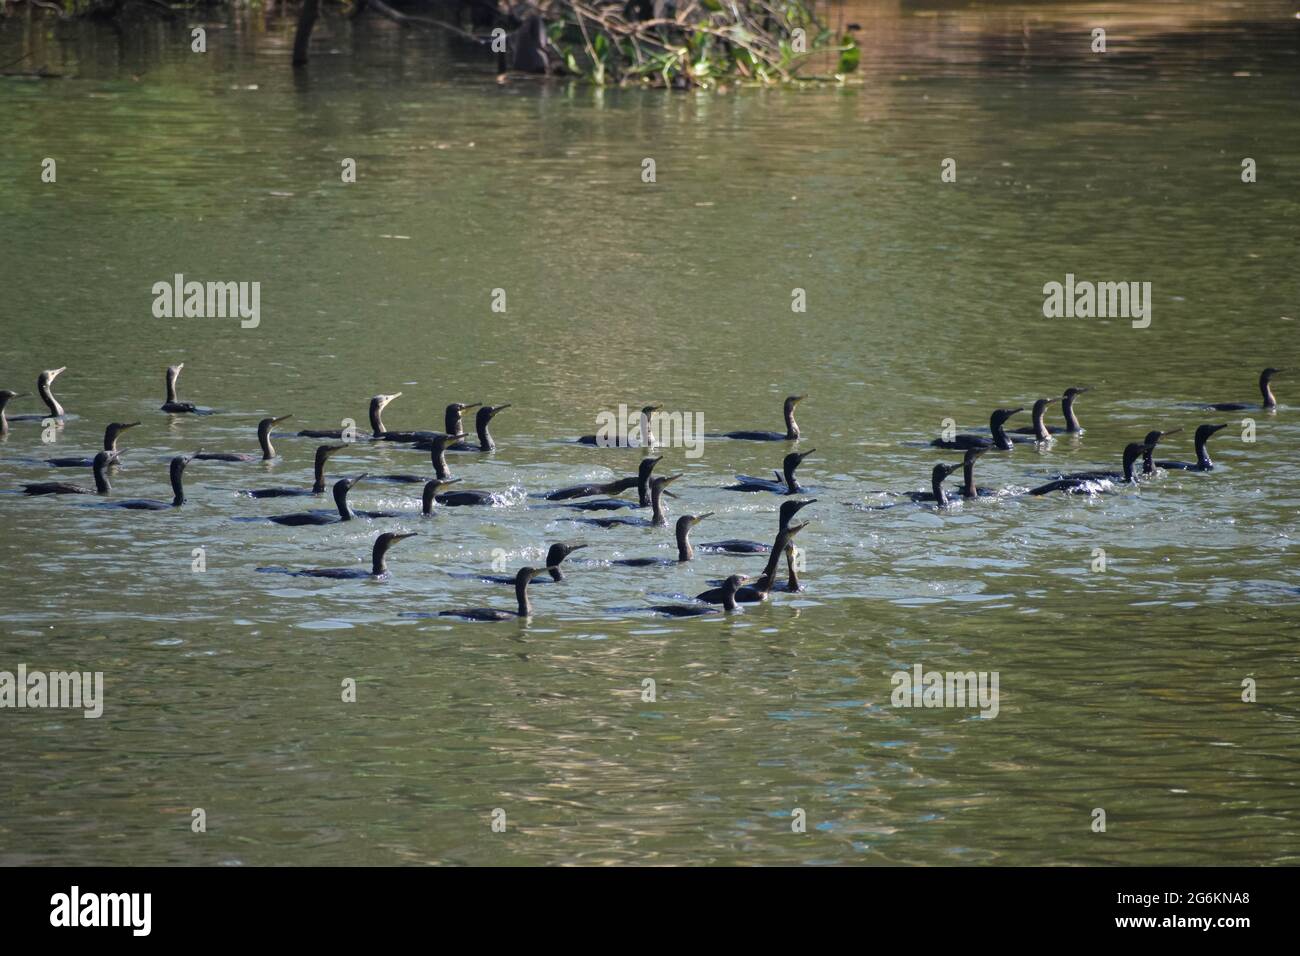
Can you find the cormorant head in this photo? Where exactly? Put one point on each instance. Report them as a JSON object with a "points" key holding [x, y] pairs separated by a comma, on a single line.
{"points": [[7, 396], [1135, 450], [1000, 415], [795, 459], [488, 412], [659, 484], [173, 371], [793, 400], [49, 375], [527, 574], [790, 508], [116, 428], [104, 459], [341, 489], [380, 402], [387, 540], [266, 424], [1070, 393], [1264, 376], [734, 582], [941, 472], [323, 452], [442, 439], [1041, 404], [1153, 438], [649, 410], [686, 522], [648, 465], [1203, 432], [559, 551]]}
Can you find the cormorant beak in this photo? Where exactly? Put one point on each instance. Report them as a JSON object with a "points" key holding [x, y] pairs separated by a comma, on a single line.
{"points": [[665, 482], [189, 458], [353, 481], [19, 395], [1218, 427], [1015, 410], [1173, 432], [805, 454], [699, 518], [403, 535], [1052, 401], [282, 418], [533, 572], [794, 529], [496, 408], [570, 548], [126, 425], [385, 399], [652, 408], [465, 408], [56, 372], [446, 481], [331, 449]]}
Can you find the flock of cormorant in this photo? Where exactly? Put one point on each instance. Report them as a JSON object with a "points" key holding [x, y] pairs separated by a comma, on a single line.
{"points": [[599, 496]]}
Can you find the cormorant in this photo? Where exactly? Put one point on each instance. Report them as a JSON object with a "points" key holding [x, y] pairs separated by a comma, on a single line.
{"points": [[43, 383], [786, 483], [174, 407], [323, 452], [176, 472], [429, 498], [1094, 481], [968, 487], [727, 598], [764, 584], [1038, 430], [938, 475], [378, 564], [999, 439], [658, 519], [646, 440], [343, 511], [522, 579], [377, 405], [616, 487], [736, 546], [1203, 462], [1152, 439], [263, 439], [791, 426], [7, 396], [684, 550], [100, 470], [1265, 390], [554, 558], [110, 444], [481, 421], [1072, 426]]}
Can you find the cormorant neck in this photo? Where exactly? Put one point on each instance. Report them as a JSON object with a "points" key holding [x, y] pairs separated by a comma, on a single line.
{"points": [[792, 486], [264, 439], [1071, 420], [376, 419], [791, 426], [171, 387], [1265, 387], [1040, 429], [1129, 461], [50, 401], [485, 442], [684, 550], [521, 594], [647, 439], [936, 484], [729, 598], [968, 489], [178, 488], [102, 487], [1203, 455], [656, 503], [439, 460], [1000, 435], [430, 489], [556, 574], [793, 582], [318, 486], [378, 559], [341, 502]]}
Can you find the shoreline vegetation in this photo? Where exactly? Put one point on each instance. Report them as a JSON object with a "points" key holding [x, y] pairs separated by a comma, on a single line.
{"points": [[676, 44]]}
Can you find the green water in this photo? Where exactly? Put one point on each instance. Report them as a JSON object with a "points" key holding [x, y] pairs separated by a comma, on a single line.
{"points": [[1119, 690]]}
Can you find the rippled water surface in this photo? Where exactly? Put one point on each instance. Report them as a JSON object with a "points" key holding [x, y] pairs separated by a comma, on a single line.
{"points": [[1119, 689]]}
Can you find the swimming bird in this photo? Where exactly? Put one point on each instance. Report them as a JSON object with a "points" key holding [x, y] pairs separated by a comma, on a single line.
{"points": [[658, 518], [43, 383], [1152, 439], [110, 444], [1072, 425], [343, 511], [263, 439], [323, 453], [481, 421], [791, 432], [430, 496], [999, 439], [457, 498], [100, 471], [1265, 390], [646, 433], [684, 550], [176, 472], [378, 562], [6, 396], [727, 598], [555, 556], [786, 483], [968, 487], [938, 475], [377, 405], [640, 481], [1203, 462], [522, 580], [1038, 430], [765, 583], [172, 405], [737, 546], [1094, 481]]}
